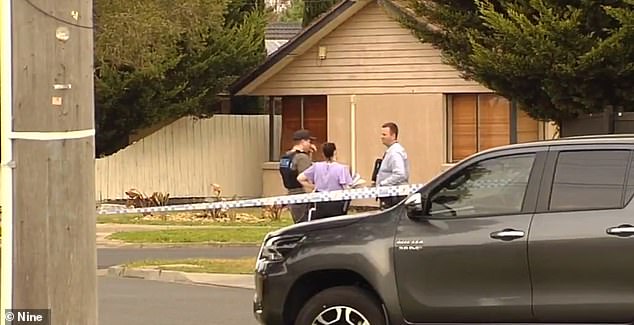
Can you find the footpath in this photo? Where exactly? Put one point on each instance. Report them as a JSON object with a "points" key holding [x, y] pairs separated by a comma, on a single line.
{"points": [[243, 281]]}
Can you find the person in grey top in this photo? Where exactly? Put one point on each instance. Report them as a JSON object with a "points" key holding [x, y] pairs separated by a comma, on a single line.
{"points": [[301, 160], [394, 169]]}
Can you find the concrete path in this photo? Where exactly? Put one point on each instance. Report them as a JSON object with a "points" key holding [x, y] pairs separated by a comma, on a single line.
{"points": [[245, 281]]}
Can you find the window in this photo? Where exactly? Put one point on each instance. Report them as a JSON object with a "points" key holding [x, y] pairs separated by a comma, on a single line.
{"points": [[491, 187], [482, 121], [589, 180]]}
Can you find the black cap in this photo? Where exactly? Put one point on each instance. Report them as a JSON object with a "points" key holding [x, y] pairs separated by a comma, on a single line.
{"points": [[302, 135]]}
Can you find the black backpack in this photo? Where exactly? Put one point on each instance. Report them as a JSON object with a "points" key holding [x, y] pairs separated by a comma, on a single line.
{"points": [[288, 171]]}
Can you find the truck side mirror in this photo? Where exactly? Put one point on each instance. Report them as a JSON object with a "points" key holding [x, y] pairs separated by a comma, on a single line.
{"points": [[416, 205]]}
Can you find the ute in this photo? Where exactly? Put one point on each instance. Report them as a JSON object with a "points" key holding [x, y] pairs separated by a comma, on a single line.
{"points": [[538, 232]]}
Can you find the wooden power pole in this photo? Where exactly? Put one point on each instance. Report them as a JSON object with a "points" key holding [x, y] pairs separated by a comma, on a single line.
{"points": [[53, 172]]}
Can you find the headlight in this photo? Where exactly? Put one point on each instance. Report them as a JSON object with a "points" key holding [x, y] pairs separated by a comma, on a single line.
{"points": [[277, 248]]}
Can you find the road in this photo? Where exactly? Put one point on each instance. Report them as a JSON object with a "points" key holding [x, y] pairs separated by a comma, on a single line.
{"points": [[107, 257], [133, 301]]}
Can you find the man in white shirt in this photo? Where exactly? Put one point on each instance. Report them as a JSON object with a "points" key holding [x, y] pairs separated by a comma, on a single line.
{"points": [[394, 169]]}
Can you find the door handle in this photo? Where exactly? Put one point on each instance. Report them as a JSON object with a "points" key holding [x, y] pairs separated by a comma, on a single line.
{"points": [[507, 234], [621, 231]]}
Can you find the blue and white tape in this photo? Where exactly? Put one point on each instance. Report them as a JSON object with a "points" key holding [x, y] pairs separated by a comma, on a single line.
{"points": [[315, 197]]}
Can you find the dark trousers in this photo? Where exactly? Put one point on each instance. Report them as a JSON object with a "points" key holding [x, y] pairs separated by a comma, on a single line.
{"points": [[299, 212], [330, 209], [390, 201]]}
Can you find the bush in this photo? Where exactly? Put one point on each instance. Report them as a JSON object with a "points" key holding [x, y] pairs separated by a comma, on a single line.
{"points": [[273, 212], [137, 199]]}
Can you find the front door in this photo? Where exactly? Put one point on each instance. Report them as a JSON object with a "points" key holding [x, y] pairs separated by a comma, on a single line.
{"points": [[307, 112], [467, 262]]}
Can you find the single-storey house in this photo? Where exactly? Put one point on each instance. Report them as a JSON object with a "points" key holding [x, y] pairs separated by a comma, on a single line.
{"points": [[355, 68]]}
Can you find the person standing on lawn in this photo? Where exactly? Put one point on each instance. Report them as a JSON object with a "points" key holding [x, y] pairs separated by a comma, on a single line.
{"points": [[292, 163], [325, 176]]}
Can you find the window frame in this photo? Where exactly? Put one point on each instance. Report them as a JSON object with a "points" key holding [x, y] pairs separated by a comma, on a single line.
{"points": [[543, 202], [532, 190], [512, 123]]}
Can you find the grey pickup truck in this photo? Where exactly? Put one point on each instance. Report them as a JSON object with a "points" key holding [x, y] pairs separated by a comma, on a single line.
{"points": [[537, 232]]}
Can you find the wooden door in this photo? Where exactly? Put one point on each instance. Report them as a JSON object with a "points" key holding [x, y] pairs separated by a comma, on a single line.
{"points": [[314, 116]]}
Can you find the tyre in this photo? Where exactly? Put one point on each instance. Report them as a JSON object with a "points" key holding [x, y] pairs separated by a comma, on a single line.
{"points": [[342, 305]]}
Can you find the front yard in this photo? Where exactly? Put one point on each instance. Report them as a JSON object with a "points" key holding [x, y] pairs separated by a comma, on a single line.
{"points": [[211, 235], [234, 217], [234, 227]]}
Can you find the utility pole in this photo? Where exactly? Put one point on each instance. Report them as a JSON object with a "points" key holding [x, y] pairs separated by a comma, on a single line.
{"points": [[50, 207]]}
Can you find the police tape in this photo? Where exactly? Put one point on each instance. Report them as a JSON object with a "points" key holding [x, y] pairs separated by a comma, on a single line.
{"points": [[314, 197]]}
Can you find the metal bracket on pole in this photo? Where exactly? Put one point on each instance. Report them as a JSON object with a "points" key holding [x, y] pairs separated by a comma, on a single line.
{"points": [[9, 164]]}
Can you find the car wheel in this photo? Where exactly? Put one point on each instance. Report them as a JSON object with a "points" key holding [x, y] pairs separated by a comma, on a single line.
{"points": [[341, 305]]}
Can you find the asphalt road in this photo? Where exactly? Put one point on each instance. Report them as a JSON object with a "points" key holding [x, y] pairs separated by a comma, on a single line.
{"points": [[107, 257], [133, 302]]}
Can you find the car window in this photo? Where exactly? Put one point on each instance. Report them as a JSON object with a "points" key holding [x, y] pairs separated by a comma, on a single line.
{"points": [[587, 180], [490, 187]]}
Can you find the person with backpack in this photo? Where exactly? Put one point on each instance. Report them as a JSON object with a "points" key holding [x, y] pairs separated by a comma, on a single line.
{"points": [[292, 163], [325, 176]]}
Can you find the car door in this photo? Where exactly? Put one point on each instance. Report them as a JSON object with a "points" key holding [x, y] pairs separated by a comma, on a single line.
{"points": [[581, 244], [467, 260]]}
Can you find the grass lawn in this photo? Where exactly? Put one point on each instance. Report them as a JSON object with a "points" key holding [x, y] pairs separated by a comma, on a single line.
{"points": [[255, 220], [224, 235], [231, 266]]}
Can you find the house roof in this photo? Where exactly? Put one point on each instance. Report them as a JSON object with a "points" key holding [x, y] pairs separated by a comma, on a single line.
{"points": [[315, 32], [273, 44], [278, 33], [281, 30]]}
